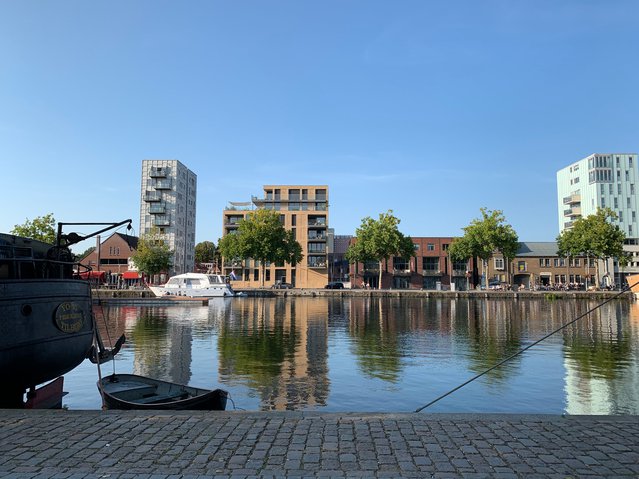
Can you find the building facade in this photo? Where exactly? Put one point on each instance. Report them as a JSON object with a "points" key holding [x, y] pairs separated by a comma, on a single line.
{"points": [[430, 268], [603, 180], [304, 210], [168, 205], [113, 257]]}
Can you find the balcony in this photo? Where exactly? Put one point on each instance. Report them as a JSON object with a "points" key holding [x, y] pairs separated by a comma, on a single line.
{"points": [[316, 236], [431, 272], [401, 271], [573, 212], [151, 196], [316, 262], [158, 172], [572, 199], [157, 209], [316, 248], [162, 184], [316, 222], [162, 220]]}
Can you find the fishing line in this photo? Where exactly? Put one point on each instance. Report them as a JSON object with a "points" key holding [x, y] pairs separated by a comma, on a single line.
{"points": [[624, 290]]}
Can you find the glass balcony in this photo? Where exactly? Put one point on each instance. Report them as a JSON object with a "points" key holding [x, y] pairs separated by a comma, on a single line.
{"points": [[158, 172], [163, 185], [157, 209], [162, 220], [152, 196]]}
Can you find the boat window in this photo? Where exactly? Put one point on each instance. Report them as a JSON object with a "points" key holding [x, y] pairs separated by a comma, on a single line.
{"points": [[214, 279], [193, 282], [174, 281]]}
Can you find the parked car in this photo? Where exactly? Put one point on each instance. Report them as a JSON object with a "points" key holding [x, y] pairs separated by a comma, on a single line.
{"points": [[280, 285], [334, 285]]}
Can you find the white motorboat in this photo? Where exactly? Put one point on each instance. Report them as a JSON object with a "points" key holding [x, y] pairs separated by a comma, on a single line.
{"points": [[195, 285]]}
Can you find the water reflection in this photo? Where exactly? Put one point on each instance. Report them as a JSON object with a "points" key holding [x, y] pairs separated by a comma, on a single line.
{"points": [[385, 354]]}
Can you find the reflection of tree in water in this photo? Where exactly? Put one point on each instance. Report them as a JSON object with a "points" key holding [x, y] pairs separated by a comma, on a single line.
{"points": [[279, 349], [378, 347], [494, 333], [162, 347]]}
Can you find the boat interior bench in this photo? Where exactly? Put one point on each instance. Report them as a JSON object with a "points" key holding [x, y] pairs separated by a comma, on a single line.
{"points": [[161, 398]]}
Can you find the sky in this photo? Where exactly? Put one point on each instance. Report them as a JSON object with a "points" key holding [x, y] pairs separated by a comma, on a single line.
{"points": [[431, 109]]}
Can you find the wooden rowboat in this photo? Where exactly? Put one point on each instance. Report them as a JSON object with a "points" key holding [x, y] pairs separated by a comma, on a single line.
{"points": [[129, 391]]}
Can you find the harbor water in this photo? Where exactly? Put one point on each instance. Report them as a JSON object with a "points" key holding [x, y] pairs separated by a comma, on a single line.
{"points": [[380, 354]]}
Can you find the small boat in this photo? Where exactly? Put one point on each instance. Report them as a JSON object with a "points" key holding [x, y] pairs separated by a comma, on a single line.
{"points": [[195, 285], [129, 391]]}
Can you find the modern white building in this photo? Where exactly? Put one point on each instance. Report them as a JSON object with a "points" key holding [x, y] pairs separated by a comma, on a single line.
{"points": [[603, 180], [168, 203]]}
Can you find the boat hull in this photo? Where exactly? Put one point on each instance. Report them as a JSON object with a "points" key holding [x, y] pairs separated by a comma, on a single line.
{"points": [[129, 391], [46, 330], [161, 291]]}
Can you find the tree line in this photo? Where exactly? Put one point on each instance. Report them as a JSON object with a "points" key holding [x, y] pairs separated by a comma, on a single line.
{"points": [[262, 237]]}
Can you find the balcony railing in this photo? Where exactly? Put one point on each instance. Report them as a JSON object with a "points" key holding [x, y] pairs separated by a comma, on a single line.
{"points": [[431, 272], [572, 199], [162, 220], [317, 222], [157, 209], [158, 172], [163, 185], [152, 196], [316, 237]]}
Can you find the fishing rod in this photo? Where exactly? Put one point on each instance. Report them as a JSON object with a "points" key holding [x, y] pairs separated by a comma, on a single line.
{"points": [[624, 290]]}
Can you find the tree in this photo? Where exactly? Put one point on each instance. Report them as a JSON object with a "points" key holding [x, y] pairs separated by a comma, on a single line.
{"points": [[262, 237], [205, 252], [379, 239], [484, 236], [594, 237], [152, 255], [42, 228]]}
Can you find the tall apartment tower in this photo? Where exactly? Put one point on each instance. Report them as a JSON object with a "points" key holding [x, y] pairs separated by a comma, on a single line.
{"points": [[603, 180], [304, 210], [168, 203]]}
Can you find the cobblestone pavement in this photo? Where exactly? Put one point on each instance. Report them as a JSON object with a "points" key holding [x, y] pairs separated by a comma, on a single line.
{"points": [[93, 444]]}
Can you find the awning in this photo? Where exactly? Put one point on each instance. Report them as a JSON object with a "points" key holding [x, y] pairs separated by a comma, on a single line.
{"points": [[93, 275], [131, 275]]}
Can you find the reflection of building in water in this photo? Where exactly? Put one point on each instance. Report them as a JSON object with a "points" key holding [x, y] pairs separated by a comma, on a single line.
{"points": [[280, 348], [602, 361], [162, 346]]}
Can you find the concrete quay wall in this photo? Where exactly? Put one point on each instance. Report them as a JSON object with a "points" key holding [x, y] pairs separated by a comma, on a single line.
{"points": [[133, 444]]}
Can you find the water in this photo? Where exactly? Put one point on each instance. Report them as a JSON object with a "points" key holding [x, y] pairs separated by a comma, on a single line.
{"points": [[381, 354]]}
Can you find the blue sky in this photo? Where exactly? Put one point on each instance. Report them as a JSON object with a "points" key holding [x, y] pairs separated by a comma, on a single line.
{"points": [[430, 108]]}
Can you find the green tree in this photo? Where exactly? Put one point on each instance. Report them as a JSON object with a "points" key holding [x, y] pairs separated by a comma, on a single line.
{"points": [[460, 250], [379, 239], [42, 228], [263, 238], [205, 252], [484, 236], [152, 255], [594, 237]]}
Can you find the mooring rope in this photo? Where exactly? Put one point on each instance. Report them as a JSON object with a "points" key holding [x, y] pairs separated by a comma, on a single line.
{"points": [[624, 290]]}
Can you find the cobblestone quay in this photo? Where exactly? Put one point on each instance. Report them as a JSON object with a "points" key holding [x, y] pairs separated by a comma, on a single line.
{"points": [[117, 444]]}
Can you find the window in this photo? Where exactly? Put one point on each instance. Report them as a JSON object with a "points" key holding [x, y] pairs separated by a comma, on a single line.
{"points": [[630, 230], [430, 247], [632, 189], [616, 202], [499, 263], [556, 262], [628, 203], [293, 220], [521, 266], [256, 275], [618, 188], [577, 262], [430, 264]]}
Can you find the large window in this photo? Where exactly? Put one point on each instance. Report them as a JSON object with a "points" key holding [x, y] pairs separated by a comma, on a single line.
{"points": [[430, 264], [499, 263]]}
